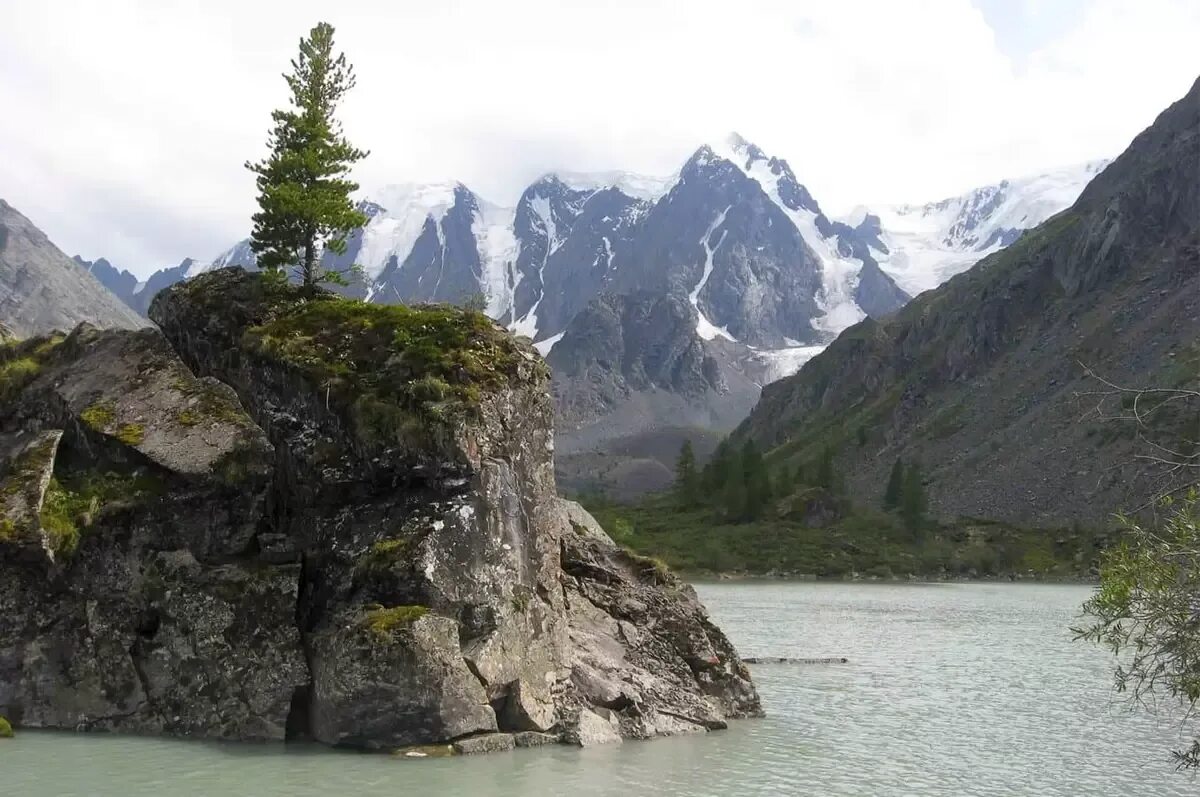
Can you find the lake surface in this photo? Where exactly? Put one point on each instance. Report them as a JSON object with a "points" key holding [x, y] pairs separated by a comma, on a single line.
{"points": [[951, 689]]}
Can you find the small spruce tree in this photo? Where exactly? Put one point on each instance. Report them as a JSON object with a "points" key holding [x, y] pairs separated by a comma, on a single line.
{"points": [[825, 476], [912, 500], [303, 184], [895, 486], [687, 479]]}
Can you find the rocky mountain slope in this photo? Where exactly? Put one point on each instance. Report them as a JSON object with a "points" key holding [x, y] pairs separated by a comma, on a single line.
{"points": [[313, 518], [982, 380], [41, 289]]}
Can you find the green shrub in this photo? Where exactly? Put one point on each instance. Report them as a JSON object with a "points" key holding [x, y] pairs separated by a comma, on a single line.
{"points": [[6, 730]]}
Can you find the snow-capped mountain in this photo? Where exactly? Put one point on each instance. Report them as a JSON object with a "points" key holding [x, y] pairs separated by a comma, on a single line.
{"points": [[664, 303], [734, 231], [922, 246]]}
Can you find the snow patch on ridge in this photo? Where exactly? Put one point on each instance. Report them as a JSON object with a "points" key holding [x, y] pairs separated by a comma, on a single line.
{"points": [[930, 243], [705, 328], [540, 206], [785, 362], [544, 346], [394, 230], [638, 186], [497, 244], [839, 274]]}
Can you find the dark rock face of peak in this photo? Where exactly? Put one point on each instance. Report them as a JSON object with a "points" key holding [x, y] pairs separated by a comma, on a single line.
{"points": [[300, 516], [443, 265], [632, 380], [120, 282], [980, 379]]}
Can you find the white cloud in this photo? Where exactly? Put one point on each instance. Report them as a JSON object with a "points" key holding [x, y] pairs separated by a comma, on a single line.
{"points": [[127, 123]]}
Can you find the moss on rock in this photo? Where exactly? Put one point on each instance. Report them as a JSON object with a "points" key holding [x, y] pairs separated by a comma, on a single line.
{"points": [[99, 416], [383, 623], [406, 367], [385, 553], [21, 361], [131, 433]]}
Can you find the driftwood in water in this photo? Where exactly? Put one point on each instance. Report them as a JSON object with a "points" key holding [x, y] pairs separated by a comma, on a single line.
{"points": [[781, 660]]}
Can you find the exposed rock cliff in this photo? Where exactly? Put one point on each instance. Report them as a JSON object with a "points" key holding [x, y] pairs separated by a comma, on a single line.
{"points": [[982, 379], [320, 518]]}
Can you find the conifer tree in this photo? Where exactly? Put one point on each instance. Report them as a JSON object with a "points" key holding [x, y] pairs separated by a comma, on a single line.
{"points": [[912, 500], [687, 480], [825, 477], [757, 481], [303, 184], [895, 486]]}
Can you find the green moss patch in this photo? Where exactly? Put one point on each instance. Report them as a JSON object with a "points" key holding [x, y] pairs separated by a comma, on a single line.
{"points": [[99, 416], [383, 623], [22, 361], [72, 504], [131, 434], [6, 730], [401, 368], [384, 554], [207, 403]]}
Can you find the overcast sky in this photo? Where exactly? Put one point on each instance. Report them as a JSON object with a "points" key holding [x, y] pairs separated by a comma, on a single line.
{"points": [[125, 125]]}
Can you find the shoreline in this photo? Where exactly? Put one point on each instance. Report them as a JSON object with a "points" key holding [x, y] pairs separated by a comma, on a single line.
{"points": [[708, 576]]}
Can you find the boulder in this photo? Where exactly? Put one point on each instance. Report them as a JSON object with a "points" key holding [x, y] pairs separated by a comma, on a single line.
{"points": [[290, 515]]}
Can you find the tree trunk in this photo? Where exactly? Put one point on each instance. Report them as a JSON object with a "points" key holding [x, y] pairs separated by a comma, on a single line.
{"points": [[308, 277]]}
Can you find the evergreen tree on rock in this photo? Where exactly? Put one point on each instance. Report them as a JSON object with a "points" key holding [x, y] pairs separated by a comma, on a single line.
{"points": [[303, 184]]}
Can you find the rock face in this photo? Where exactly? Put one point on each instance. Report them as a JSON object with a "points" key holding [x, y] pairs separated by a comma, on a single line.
{"points": [[41, 289], [310, 517], [982, 380]]}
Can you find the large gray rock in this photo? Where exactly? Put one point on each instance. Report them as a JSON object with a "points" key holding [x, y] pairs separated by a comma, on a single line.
{"points": [[270, 550]]}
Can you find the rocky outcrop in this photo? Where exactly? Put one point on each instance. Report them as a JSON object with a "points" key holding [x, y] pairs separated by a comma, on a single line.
{"points": [[41, 289], [312, 517]]}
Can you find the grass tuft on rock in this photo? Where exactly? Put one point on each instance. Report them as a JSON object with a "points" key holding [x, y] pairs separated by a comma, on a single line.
{"points": [[21, 361], [383, 623], [72, 504]]}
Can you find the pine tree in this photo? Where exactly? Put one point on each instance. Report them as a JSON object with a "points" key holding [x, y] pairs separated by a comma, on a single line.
{"points": [[304, 190], [757, 481], [895, 486], [733, 494], [722, 466], [825, 477], [687, 480], [912, 501]]}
